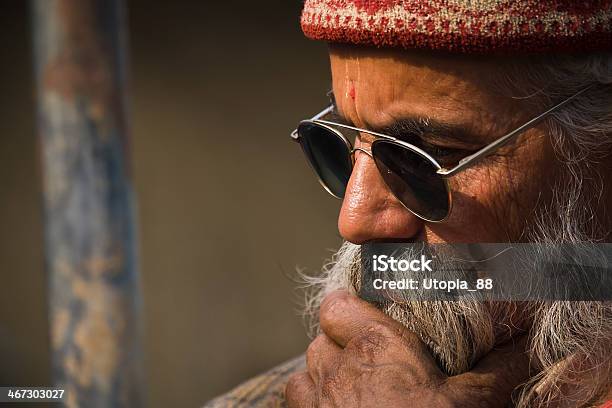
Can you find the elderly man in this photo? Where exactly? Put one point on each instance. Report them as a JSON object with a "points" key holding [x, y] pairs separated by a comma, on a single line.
{"points": [[475, 121]]}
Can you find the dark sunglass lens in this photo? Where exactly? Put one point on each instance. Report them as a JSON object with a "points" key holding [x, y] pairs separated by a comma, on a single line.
{"points": [[329, 156], [413, 180]]}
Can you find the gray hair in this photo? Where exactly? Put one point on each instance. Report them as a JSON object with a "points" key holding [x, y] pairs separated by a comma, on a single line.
{"points": [[574, 360], [581, 132]]}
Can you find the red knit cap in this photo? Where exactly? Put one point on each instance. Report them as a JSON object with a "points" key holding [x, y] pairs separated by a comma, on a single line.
{"points": [[470, 26]]}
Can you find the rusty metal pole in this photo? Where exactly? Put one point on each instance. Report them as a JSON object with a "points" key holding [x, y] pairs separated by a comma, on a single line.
{"points": [[94, 300]]}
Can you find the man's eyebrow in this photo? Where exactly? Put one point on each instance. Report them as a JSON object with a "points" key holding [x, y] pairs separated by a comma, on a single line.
{"points": [[430, 129], [408, 128]]}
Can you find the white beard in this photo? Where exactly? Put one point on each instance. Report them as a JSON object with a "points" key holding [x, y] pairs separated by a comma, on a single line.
{"points": [[565, 337], [458, 333]]}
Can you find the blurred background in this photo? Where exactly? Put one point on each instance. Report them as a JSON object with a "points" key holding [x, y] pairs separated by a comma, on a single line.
{"points": [[227, 207]]}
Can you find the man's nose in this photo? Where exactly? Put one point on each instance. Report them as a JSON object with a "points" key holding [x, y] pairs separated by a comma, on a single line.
{"points": [[370, 211]]}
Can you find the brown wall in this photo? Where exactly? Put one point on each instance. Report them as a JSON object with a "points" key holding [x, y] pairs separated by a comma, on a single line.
{"points": [[227, 205], [24, 354]]}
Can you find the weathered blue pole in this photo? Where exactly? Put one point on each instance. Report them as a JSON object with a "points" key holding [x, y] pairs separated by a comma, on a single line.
{"points": [[80, 68]]}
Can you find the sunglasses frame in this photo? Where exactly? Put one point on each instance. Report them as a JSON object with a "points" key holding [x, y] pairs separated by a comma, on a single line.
{"points": [[443, 172], [351, 152]]}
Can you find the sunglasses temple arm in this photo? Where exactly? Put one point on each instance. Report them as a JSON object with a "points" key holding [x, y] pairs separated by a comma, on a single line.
{"points": [[490, 148], [326, 111]]}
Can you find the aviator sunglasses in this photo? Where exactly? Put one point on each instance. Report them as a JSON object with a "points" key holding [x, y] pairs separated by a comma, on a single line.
{"points": [[416, 178]]}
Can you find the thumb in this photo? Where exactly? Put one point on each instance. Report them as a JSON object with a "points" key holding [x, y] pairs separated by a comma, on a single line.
{"points": [[499, 372]]}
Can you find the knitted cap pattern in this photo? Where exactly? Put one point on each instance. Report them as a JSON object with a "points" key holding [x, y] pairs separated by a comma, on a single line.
{"points": [[465, 26]]}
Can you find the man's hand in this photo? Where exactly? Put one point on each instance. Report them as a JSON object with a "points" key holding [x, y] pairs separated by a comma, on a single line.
{"points": [[363, 358]]}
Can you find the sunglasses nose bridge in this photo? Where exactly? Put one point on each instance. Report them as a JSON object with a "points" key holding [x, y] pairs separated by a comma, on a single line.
{"points": [[355, 149]]}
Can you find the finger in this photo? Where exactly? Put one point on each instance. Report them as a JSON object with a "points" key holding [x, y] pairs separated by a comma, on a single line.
{"points": [[322, 354], [300, 391], [500, 371], [372, 335], [343, 316]]}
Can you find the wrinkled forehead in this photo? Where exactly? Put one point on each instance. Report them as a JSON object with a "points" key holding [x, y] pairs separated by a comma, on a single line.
{"points": [[374, 86]]}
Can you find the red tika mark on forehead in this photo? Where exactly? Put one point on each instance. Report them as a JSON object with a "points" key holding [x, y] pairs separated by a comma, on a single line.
{"points": [[352, 91]]}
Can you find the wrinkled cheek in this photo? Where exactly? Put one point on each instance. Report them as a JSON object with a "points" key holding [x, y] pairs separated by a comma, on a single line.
{"points": [[485, 208], [509, 201]]}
